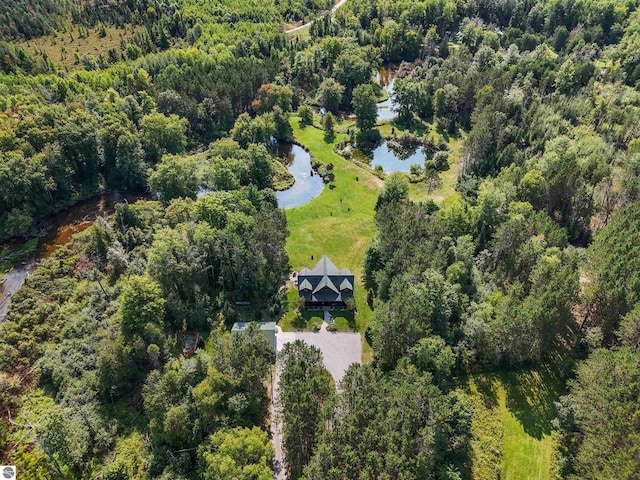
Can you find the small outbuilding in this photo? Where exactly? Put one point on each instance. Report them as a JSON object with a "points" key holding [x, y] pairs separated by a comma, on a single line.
{"points": [[267, 328], [325, 284]]}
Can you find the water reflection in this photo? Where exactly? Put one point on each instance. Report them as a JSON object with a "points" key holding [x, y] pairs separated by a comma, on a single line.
{"points": [[308, 184], [386, 78], [58, 230], [395, 159], [61, 227]]}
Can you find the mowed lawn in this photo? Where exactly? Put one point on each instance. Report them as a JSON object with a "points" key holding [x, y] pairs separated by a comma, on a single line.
{"points": [[511, 427], [339, 223], [512, 436]]}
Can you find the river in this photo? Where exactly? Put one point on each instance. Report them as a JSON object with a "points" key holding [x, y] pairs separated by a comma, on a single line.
{"points": [[61, 227], [59, 230]]}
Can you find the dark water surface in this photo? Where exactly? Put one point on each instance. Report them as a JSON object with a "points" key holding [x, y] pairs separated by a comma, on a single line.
{"points": [[59, 229], [308, 184]]}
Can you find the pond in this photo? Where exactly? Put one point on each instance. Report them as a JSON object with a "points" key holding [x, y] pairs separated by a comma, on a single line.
{"points": [[386, 78], [58, 229], [393, 158], [308, 184]]}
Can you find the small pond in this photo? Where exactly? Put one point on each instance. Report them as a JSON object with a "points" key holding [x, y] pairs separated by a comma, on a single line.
{"points": [[394, 159], [386, 79], [308, 184]]}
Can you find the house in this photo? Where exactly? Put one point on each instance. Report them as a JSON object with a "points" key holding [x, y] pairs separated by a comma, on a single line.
{"points": [[267, 328], [325, 284]]}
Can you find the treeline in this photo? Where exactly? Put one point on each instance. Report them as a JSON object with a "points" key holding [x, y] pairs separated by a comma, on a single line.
{"points": [[94, 379], [104, 129], [452, 294], [25, 19], [403, 424]]}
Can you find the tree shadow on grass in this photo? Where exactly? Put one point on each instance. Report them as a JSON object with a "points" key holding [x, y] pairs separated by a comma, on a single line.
{"points": [[530, 397], [487, 389]]}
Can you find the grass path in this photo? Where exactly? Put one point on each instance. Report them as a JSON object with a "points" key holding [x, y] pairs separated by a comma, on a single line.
{"points": [[512, 424], [339, 223]]}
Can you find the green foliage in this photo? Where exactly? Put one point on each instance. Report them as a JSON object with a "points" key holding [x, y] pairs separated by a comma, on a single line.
{"points": [[398, 425], [396, 189], [433, 355], [417, 307], [140, 303], [306, 115], [330, 94], [546, 116], [305, 389], [238, 454], [599, 416], [364, 106], [175, 177], [328, 123], [613, 270], [162, 134], [270, 96]]}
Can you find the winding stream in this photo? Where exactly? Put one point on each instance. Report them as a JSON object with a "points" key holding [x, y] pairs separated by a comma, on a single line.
{"points": [[60, 228]]}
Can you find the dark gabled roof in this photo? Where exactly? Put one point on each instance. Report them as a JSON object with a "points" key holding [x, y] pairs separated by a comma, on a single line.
{"points": [[325, 283], [346, 285], [325, 267]]}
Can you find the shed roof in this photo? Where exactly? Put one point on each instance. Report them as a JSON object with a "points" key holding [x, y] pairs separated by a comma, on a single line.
{"points": [[264, 326]]}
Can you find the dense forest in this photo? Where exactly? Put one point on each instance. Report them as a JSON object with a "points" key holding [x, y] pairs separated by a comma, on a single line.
{"points": [[530, 262]]}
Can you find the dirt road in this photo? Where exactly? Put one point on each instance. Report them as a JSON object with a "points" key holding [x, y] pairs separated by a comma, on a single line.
{"points": [[308, 24]]}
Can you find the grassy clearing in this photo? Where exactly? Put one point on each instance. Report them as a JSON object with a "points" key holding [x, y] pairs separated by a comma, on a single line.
{"points": [[512, 424], [61, 47], [339, 223], [302, 34]]}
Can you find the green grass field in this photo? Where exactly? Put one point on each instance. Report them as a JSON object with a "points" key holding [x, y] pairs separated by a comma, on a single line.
{"points": [[339, 223], [511, 427], [512, 436]]}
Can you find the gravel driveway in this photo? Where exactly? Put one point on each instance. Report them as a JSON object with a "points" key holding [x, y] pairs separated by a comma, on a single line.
{"points": [[339, 350]]}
